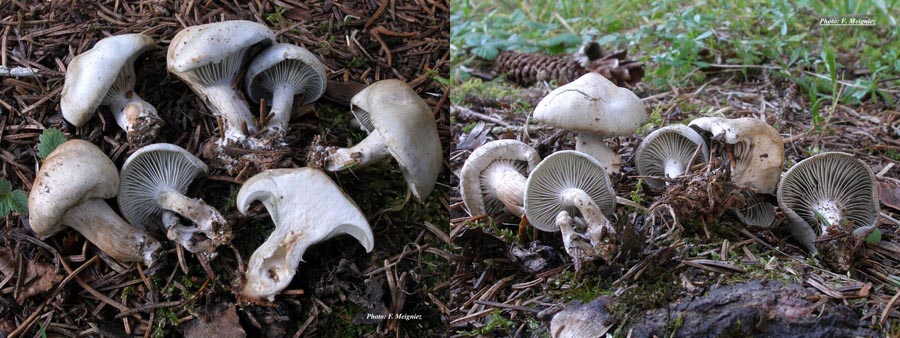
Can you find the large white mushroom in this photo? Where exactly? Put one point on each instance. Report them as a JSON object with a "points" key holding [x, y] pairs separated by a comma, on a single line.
{"points": [[281, 74], [400, 125], [104, 75], [594, 108], [307, 208], [154, 181], [69, 191], [209, 59], [493, 177]]}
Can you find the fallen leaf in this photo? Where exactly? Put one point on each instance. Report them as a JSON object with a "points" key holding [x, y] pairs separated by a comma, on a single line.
{"points": [[40, 277], [341, 92], [889, 193], [221, 320]]}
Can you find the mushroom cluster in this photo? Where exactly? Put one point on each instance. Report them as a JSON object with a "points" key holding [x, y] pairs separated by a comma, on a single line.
{"points": [[153, 188]]}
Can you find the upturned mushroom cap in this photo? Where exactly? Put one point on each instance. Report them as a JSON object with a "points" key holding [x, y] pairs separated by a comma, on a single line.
{"points": [[561, 171], [90, 75], [831, 187], [594, 105], [201, 45], [670, 147], [286, 64], [151, 170], [408, 128], [73, 173], [471, 185], [307, 208], [757, 213], [758, 150]]}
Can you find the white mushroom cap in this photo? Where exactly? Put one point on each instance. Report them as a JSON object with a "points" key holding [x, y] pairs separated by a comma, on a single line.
{"points": [[405, 123], [559, 172], [667, 151], [307, 208], [90, 75], [474, 186], [69, 190], [592, 104], [758, 150], [286, 64], [835, 186], [154, 181]]}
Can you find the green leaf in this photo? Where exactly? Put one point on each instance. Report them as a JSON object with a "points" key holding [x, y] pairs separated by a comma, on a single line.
{"points": [[4, 208], [50, 139], [874, 237], [18, 201], [486, 52], [5, 186]]}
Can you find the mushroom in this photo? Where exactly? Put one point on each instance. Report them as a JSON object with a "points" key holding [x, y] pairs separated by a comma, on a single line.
{"points": [[307, 208], [68, 191], [278, 74], [154, 181], [827, 191], [668, 152], [581, 320], [493, 177], [399, 124], [594, 108], [104, 75], [755, 152], [570, 189], [758, 212], [209, 59]]}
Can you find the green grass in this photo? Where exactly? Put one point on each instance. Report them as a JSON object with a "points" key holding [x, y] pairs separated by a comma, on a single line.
{"points": [[676, 39]]}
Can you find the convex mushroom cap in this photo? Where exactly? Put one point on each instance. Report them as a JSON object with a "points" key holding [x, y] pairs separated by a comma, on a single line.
{"points": [[280, 73], [69, 191], [594, 108], [104, 75], [667, 152], [494, 177], [828, 190], [209, 58], [756, 147], [307, 208], [570, 184], [400, 125], [154, 181]]}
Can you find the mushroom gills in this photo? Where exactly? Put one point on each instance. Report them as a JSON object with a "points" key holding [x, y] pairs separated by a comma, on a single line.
{"points": [[282, 80], [214, 86]]}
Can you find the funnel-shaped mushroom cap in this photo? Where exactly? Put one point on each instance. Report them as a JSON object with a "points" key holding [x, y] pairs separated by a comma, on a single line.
{"points": [[667, 152], [307, 208], [406, 124], [90, 75], [150, 171], [594, 105], [286, 65], [473, 186], [197, 46], [73, 173], [757, 148], [833, 187], [561, 171]]}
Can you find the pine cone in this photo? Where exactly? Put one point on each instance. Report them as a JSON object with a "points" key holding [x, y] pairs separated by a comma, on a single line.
{"points": [[528, 69]]}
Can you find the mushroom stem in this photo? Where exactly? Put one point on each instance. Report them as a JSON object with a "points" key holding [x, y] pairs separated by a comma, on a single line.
{"points": [[100, 225], [134, 115], [282, 105], [208, 221], [372, 149], [830, 213], [507, 184], [227, 103], [674, 168], [599, 229], [595, 146]]}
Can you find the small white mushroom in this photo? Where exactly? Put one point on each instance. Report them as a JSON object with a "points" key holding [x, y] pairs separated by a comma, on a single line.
{"points": [[399, 124], [566, 188], [493, 177], [307, 208], [209, 59], [667, 152], [594, 108], [154, 181], [280, 73], [69, 191], [104, 75], [828, 190], [756, 148], [757, 212]]}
